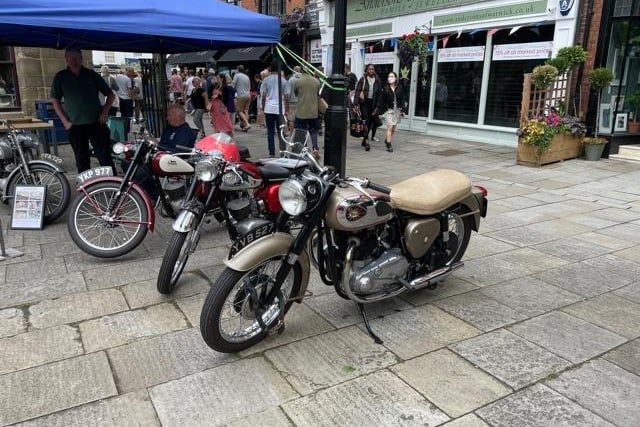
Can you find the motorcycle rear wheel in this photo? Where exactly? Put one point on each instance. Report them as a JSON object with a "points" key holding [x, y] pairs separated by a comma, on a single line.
{"points": [[102, 237], [175, 259], [461, 227], [229, 302], [58, 189]]}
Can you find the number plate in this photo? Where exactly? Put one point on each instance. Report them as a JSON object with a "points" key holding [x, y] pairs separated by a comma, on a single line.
{"points": [[251, 236], [51, 159], [94, 173]]}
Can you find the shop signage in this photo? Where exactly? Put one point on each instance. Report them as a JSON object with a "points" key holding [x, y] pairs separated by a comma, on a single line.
{"points": [[379, 58], [461, 54], [312, 14], [491, 13], [316, 56], [565, 6], [371, 29], [372, 10], [518, 51]]}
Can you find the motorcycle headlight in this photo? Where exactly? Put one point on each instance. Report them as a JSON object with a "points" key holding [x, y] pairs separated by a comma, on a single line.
{"points": [[206, 170], [292, 197], [118, 148]]}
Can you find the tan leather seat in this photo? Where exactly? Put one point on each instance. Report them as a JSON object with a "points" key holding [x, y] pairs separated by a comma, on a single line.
{"points": [[431, 192]]}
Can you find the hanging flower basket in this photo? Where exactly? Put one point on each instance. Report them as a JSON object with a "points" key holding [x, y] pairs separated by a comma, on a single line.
{"points": [[413, 45]]}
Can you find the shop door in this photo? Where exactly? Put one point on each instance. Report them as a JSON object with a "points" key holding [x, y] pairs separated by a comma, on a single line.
{"points": [[419, 92]]}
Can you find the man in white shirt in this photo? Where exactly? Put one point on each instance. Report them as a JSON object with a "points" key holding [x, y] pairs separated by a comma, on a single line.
{"points": [[138, 99], [188, 88], [125, 95], [242, 85], [270, 104]]}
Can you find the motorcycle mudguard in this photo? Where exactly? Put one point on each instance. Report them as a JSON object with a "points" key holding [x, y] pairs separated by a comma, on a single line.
{"points": [[151, 216], [18, 170], [262, 249], [471, 202], [186, 221]]}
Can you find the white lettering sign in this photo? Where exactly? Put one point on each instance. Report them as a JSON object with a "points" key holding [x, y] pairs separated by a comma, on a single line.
{"points": [[461, 54], [379, 58], [316, 56], [521, 51]]}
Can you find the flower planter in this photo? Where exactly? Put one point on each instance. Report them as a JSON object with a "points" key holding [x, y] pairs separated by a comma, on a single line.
{"points": [[563, 147], [593, 152]]}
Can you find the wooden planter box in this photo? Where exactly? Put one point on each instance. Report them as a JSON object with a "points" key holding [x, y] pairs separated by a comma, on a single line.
{"points": [[563, 147]]}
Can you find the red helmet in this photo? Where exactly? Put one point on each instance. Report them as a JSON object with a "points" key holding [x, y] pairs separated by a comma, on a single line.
{"points": [[221, 142]]}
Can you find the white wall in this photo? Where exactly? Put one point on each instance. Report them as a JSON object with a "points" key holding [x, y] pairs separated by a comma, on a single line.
{"points": [[99, 57]]}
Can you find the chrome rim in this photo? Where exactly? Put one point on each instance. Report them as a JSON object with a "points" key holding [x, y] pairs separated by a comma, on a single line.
{"points": [[185, 251], [101, 232], [456, 226], [237, 320], [54, 187]]}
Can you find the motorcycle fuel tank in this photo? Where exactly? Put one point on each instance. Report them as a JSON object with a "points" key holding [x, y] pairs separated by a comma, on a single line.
{"points": [[350, 210], [166, 164], [220, 142]]}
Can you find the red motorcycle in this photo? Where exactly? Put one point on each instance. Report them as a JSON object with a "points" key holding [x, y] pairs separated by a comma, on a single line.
{"points": [[241, 193]]}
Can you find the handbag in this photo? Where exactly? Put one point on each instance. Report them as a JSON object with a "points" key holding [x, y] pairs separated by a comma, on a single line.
{"points": [[322, 105], [357, 128]]}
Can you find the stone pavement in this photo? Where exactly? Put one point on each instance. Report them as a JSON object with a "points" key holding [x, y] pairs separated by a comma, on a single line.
{"points": [[539, 328]]}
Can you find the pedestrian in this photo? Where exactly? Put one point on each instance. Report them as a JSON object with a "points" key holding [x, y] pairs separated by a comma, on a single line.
{"points": [[391, 103], [125, 93], [352, 80], [187, 89], [199, 101], [242, 85], [293, 99], [218, 111], [366, 99], [229, 97], [257, 84], [82, 116], [138, 98], [306, 89], [271, 99], [111, 82], [175, 86]]}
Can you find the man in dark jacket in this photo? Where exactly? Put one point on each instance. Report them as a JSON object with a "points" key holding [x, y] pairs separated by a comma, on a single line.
{"points": [[366, 99]]}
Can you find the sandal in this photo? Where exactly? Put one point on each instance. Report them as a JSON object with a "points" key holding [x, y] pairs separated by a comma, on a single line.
{"points": [[389, 147]]}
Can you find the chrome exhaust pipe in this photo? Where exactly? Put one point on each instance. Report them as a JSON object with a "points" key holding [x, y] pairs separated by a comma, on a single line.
{"points": [[434, 276]]}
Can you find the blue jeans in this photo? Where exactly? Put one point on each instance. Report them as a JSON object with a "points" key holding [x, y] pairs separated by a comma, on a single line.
{"points": [[312, 125], [271, 121]]}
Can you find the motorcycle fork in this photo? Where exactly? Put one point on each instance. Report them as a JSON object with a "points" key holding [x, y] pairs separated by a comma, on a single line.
{"points": [[115, 203], [163, 197]]}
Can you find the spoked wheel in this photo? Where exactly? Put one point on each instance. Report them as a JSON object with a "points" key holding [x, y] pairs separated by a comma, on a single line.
{"points": [[102, 235], [459, 236], [58, 190], [175, 259], [229, 316]]}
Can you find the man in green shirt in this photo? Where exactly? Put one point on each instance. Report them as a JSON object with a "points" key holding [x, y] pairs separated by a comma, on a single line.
{"points": [[82, 116]]}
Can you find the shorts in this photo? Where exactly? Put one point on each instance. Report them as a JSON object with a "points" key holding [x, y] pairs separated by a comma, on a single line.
{"points": [[242, 102]]}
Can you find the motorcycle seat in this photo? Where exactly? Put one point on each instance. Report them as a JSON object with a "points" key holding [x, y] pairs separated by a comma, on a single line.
{"points": [[430, 193], [273, 173], [244, 152]]}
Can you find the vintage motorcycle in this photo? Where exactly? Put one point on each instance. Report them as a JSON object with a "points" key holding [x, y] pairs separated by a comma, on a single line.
{"points": [[370, 246], [17, 167], [110, 215], [227, 185]]}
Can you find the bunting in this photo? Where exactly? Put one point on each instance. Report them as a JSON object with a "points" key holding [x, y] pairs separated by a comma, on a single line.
{"points": [[371, 48], [445, 40], [492, 31], [514, 29], [393, 42], [459, 34]]}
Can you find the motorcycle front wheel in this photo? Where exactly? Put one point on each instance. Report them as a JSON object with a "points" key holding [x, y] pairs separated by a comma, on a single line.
{"points": [[58, 189], [102, 235], [175, 259], [228, 322]]}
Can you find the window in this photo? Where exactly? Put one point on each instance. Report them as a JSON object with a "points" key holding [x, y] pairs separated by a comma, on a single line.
{"points": [[110, 57], [272, 7], [9, 95], [622, 8]]}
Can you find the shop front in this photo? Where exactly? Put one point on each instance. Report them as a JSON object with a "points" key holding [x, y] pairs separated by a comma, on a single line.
{"points": [[467, 84]]}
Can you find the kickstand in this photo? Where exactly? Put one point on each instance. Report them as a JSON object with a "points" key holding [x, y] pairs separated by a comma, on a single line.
{"points": [[376, 339]]}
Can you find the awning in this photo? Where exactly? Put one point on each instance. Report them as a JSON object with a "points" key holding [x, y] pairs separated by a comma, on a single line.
{"points": [[245, 54], [191, 57]]}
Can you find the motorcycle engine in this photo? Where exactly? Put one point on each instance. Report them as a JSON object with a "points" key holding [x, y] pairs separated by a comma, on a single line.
{"points": [[380, 273], [175, 190]]}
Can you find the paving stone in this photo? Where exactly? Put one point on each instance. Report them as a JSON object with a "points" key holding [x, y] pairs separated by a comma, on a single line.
{"points": [[46, 389], [29, 253], [379, 399], [530, 296], [455, 386], [23, 292], [160, 359], [602, 240], [82, 261], [51, 233], [517, 202], [76, 307], [213, 271], [539, 406], [146, 293], [626, 356], [540, 232], [133, 409], [414, 332], [33, 270], [269, 418], [328, 359], [480, 311], [123, 328], [122, 274], [627, 232], [341, 312], [60, 248], [589, 220], [594, 276], [221, 395], [450, 286], [510, 358], [567, 336], [469, 420], [192, 307], [611, 312], [572, 249], [632, 254], [300, 322], [482, 246], [513, 219], [605, 389], [12, 322], [38, 347]]}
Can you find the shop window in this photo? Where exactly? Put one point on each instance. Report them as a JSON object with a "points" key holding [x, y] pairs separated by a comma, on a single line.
{"points": [[272, 7], [423, 89], [110, 57], [460, 78], [622, 8], [9, 95], [381, 55], [504, 94]]}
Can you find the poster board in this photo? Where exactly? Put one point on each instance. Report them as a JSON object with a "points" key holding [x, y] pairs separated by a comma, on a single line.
{"points": [[28, 207]]}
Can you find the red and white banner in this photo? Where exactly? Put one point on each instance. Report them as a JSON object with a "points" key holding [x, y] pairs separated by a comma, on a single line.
{"points": [[521, 51], [461, 54]]}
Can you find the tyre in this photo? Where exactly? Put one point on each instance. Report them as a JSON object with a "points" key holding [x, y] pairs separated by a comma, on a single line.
{"points": [[175, 259], [58, 189], [459, 236], [102, 236], [228, 323]]}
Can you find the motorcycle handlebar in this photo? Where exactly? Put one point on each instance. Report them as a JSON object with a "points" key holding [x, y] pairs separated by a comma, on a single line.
{"points": [[376, 187]]}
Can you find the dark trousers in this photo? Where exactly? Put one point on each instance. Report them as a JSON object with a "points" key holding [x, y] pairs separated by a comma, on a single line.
{"points": [[272, 123], [126, 111], [312, 125], [370, 121], [98, 134]]}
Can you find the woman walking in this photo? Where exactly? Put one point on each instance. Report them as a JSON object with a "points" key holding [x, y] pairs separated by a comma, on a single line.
{"points": [[219, 113], [366, 99], [391, 102]]}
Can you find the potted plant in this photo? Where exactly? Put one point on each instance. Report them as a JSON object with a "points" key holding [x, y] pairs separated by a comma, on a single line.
{"points": [[634, 101], [414, 45], [599, 78]]}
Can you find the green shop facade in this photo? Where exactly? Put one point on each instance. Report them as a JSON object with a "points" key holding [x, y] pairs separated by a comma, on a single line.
{"points": [[469, 86]]}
